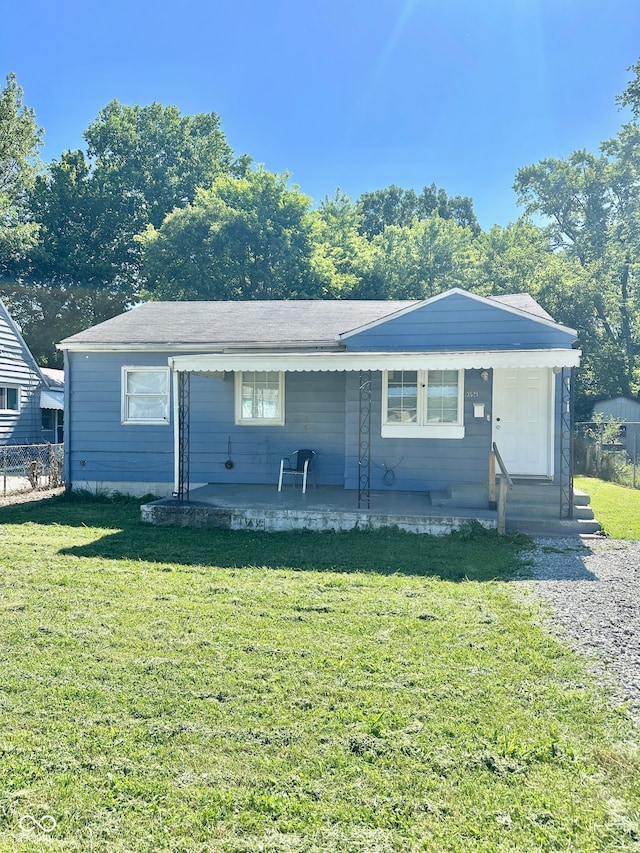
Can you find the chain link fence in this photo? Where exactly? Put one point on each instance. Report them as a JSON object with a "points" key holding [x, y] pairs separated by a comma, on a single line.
{"points": [[608, 449], [31, 466]]}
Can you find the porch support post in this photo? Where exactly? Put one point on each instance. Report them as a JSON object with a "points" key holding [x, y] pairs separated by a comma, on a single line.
{"points": [[364, 441], [183, 397], [566, 443]]}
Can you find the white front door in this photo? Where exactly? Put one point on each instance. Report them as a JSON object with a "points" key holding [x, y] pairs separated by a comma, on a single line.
{"points": [[522, 420]]}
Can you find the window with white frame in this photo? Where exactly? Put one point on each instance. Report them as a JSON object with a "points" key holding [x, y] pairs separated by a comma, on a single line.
{"points": [[260, 397], [145, 395], [422, 404], [9, 398]]}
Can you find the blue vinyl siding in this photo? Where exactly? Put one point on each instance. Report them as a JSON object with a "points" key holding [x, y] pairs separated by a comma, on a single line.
{"points": [[322, 412], [420, 464], [314, 417], [98, 448], [459, 322], [102, 449]]}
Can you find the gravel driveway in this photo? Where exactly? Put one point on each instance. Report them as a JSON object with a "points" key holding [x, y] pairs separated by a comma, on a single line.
{"points": [[593, 587]]}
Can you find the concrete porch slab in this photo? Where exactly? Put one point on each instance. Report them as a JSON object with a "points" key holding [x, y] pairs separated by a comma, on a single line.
{"points": [[262, 507]]}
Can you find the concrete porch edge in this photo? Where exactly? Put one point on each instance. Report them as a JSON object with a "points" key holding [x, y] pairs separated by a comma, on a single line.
{"points": [[260, 508]]}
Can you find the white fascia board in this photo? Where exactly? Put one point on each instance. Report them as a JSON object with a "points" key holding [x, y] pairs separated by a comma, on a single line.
{"points": [[377, 361]]}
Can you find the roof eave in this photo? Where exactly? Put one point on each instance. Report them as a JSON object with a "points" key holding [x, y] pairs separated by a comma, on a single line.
{"points": [[211, 346]]}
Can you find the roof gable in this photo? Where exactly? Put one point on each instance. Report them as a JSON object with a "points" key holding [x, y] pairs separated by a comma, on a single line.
{"points": [[459, 321], [15, 355]]}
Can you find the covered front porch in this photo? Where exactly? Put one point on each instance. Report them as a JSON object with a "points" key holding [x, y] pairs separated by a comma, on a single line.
{"points": [[421, 474], [532, 508]]}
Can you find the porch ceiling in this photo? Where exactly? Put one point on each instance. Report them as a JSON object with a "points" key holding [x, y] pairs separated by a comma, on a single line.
{"points": [[353, 361]]}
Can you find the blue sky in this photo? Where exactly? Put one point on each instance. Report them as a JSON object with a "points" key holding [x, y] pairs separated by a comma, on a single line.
{"points": [[356, 95]]}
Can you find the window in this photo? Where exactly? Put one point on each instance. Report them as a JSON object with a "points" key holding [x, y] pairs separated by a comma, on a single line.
{"points": [[260, 397], [9, 399], [145, 395], [422, 404]]}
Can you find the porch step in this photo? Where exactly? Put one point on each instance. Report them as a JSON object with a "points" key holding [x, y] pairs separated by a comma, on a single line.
{"points": [[553, 526], [533, 507], [527, 513]]}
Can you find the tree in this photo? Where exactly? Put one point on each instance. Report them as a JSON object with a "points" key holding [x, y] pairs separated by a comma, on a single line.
{"points": [[631, 95], [419, 261], [591, 205], [84, 267], [142, 162], [343, 256], [20, 141], [160, 154], [244, 238], [395, 206]]}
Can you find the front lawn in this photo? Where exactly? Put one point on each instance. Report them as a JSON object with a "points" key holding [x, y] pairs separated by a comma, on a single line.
{"points": [[617, 508], [182, 690]]}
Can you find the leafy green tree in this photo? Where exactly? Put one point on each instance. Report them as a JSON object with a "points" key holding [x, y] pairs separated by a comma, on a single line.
{"points": [[244, 238], [20, 141], [395, 206], [631, 95], [590, 204], [84, 267], [160, 154], [343, 256], [142, 162], [420, 260]]}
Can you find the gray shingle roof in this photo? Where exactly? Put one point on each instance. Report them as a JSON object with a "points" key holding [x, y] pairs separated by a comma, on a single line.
{"points": [[295, 322], [237, 322], [523, 302]]}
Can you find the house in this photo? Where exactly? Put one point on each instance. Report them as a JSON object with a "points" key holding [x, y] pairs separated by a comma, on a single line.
{"points": [[174, 398], [31, 398], [627, 412]]}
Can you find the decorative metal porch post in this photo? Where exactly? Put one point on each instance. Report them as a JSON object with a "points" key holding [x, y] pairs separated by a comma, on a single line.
{"points": [[364, 441], [184, 404], [566, 443]]}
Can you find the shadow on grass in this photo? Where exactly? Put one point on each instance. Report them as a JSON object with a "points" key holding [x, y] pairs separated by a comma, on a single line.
{"points": [[473, 553]]}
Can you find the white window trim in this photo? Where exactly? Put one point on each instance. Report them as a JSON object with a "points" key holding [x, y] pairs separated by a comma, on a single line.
{"points": [[123, 401], [17, 410], [239, 420], [422, 429]]}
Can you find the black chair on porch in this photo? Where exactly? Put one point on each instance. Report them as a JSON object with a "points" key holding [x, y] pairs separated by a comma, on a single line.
{"points": [[297, 464]]}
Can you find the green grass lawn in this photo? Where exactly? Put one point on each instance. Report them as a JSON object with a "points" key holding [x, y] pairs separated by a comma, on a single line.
{"points": [[184, 690], [617, 508]]}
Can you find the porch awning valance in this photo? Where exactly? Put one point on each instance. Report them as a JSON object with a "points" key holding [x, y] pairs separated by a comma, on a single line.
{"points": [[348, 361]]}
